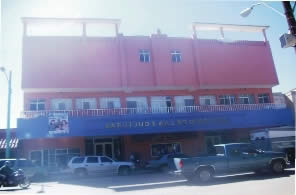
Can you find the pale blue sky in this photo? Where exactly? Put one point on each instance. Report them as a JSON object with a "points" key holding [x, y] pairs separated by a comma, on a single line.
{"points": [[138, 17]]}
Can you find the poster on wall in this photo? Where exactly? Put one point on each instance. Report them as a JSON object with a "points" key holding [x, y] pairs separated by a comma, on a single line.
{"points": [[58, 123]]}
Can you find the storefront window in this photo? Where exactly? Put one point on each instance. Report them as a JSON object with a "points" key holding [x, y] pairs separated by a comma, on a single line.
{"points": [[162, 149]]}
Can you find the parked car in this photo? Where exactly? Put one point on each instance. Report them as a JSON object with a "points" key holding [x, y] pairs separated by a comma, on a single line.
{"points": [[165, 162], [228, 159], [29, 168], [88, 165]]}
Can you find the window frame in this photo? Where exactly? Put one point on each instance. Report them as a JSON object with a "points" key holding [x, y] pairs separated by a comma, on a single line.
{"points": [[144, 56], [176, 56], [262, 96], [37, 102], [228, 99], [207, 97]]}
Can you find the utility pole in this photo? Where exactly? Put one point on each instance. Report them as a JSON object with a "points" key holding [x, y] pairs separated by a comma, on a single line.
{"points": [[290, 17]]}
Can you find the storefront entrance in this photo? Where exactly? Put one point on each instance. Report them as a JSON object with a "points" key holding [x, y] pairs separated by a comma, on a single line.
{"points": [[104, 149], [104, 146]]}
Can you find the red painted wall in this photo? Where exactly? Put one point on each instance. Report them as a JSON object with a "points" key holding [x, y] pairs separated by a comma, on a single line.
{"points": [[112, 63]]}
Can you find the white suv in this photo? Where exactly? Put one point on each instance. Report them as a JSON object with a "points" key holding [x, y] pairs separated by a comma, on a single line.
{"points": [[88, 165]]}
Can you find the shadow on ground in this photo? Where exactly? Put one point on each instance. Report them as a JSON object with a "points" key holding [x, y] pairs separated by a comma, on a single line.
{"points": [[152, 180]]}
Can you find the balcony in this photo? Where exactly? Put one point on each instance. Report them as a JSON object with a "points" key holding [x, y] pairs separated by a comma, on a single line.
{"points": [[154, 110]]}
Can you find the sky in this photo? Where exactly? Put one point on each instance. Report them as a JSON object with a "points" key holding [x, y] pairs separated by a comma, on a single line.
{"points": [[138, 17]]}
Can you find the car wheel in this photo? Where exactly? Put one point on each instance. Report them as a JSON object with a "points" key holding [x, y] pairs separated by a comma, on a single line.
{"points": [[277, 167], [124, 171], [204, 175], [80, 172]]}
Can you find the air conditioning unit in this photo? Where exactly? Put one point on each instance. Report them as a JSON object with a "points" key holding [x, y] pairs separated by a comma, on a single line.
{"points": [[288, 40]]}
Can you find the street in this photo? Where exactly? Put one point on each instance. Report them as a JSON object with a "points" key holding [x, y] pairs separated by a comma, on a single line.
{"points": [[156, 183]]}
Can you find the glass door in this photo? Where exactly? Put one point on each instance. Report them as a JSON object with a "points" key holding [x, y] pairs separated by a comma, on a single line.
{"points": [[36, 157], [104, 149], [99, 149], [108, 149]]}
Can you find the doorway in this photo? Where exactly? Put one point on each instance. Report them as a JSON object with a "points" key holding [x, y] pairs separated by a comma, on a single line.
{"points": [[36, 157], [104, 149]]}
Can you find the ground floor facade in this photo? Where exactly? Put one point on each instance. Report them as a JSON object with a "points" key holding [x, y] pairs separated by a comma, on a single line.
{"points": [[55, 152]]}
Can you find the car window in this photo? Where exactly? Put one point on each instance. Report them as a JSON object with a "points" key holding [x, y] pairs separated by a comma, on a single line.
{"points": [[234, 152], [220, 151], [78, 160], [105, 159], [92, 159]]}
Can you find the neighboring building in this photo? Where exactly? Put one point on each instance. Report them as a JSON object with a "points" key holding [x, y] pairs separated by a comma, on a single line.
{"points": [[291, 101], [13, 144], [279, 99], [150, 95]]}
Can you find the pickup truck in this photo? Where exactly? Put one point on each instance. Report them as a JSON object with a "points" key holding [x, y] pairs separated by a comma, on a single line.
{"points": [[229, 159]]}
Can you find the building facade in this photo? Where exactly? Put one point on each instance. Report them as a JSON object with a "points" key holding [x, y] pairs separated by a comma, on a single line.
{"points": [[143, 95]]}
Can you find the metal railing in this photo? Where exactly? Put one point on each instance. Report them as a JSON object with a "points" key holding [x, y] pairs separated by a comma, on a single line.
{"points": [[155, 110]]}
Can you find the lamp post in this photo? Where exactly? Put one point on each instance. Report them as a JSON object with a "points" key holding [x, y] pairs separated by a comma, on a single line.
{"points": [[8, 77], [289, 15]]}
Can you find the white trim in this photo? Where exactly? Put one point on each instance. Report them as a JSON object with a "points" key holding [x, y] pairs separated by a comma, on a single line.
{"points": [[227, 27], [29, 20]]}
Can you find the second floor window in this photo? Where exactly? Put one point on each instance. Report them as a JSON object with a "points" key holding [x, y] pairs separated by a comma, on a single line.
{"points": [[263, 98], [86, 103], [61, 104], [207, 100], [37, 104], [110, 102], [246, 99], [176, 56], [139, 103], [227, 99], [144, 55]]}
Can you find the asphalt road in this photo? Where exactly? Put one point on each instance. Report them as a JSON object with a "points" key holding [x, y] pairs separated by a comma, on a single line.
{"points": [[162, 184]]}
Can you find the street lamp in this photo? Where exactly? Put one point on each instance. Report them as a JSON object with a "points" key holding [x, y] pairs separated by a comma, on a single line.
{"points": [[287, 40], [8, 77], [248, 10]]}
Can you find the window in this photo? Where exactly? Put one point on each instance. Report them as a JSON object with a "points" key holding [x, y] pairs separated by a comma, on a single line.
{"points": [[207, 100], [110, 102], [227, 99], [161, 103], [92, 159], [263, 98], [78, 160], [86, 103], [37, 104], [61, 104], [235, 152], [176, 56], [105, 159], [144, 56], [220, 151], [139, 103], [246, 99], [210, 142], [162, 149], [181, 102]]}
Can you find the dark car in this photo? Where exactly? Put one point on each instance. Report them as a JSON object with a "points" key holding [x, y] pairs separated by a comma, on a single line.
{"points": [[165, 162]]}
